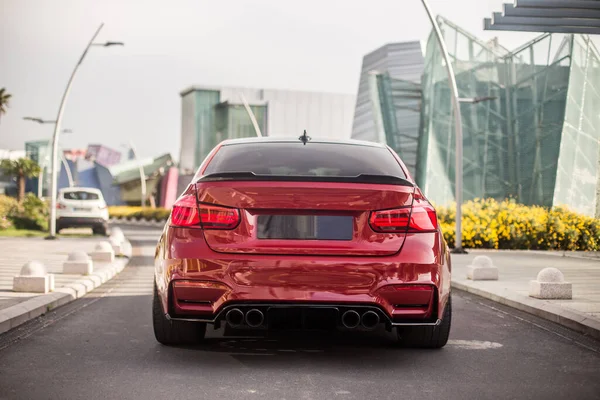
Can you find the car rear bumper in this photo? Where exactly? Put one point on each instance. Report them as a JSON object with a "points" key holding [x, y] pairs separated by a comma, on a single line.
{"points": [[411, 287], [336, 311], [66, 222]]}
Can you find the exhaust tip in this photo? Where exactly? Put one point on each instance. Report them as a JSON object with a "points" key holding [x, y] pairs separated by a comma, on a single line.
{"points": [[370, 319], [254, 318], [350, 319], [234, 317]]}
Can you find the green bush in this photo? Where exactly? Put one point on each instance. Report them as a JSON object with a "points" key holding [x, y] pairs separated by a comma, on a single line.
{"points": [[32, 214], [7, 205], [490, 224]]}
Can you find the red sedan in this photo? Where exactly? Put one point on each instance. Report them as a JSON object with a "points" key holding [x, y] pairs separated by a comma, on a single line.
{"points": [[278, 234]]}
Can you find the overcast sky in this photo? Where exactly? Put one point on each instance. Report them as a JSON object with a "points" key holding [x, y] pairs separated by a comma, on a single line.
{"points": [[132, 92]]}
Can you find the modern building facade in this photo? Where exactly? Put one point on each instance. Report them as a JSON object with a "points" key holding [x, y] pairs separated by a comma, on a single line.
{"points": [[536, 140], [99, 167], [390, 80], [210, 115], [103, 155]]}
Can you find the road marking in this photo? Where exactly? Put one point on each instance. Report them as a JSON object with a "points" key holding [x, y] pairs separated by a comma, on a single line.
{"points": [[473, 344]]}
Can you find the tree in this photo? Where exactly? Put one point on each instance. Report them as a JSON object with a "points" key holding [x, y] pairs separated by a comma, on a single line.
{"points": [[4, 100], [22, 168]]}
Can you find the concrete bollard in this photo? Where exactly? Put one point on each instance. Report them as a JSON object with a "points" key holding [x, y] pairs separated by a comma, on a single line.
{"points": [[550, 284], [116, 245], [117, 234], [103, 252], [78, 263], [33, 278], [482, 269], [126, 250]]}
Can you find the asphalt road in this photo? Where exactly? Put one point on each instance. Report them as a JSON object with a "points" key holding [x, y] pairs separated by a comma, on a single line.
{"points": [[102, 347]]}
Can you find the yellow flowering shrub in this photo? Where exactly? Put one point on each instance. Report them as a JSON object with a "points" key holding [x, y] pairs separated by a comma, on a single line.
{"points": [[146, 213], [491, 224], [122, 211]]}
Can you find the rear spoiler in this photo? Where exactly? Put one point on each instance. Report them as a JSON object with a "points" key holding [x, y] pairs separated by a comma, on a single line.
{"points": [[251, 176]]}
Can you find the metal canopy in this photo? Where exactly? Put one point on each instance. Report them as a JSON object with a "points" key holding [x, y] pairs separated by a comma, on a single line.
{"points": [[552, 16]]}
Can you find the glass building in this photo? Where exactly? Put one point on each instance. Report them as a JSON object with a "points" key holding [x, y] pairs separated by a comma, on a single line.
{"points": [[537, 139], [389, 96], [211, 115]]}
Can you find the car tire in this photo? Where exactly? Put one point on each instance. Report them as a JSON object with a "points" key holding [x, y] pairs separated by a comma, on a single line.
{"points": [[427, 337], [173, 333]]}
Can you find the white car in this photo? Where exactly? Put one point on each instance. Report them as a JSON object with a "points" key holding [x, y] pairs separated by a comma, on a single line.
{"points": [[81, 207]]}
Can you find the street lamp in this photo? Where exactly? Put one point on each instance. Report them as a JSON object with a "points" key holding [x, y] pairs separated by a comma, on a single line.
{"points": [[458, 184], [39, 120], [141, 168], [251, 115], [62, 156], [61, 109]]}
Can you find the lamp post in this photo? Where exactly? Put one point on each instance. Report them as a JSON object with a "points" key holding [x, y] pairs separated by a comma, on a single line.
{"points": [[62, 156], [251, 115], [55, 137], [458, 184]]}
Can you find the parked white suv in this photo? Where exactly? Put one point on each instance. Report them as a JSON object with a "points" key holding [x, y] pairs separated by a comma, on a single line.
{"points": [[81, 207]]}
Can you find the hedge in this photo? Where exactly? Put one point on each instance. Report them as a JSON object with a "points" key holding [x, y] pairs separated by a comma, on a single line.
{"points": [[489, 224], [138, 213], [32, 213]]}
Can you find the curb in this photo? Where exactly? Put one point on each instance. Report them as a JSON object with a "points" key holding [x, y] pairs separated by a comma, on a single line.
{"points": [[18, 314], [586, 255], [541, 308]]}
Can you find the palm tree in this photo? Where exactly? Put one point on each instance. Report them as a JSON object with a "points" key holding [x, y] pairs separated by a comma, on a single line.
{"points": [[22, 168], [4, 99]]}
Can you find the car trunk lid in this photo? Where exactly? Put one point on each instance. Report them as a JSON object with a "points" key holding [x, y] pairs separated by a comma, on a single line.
{"points": [[304, 217]]}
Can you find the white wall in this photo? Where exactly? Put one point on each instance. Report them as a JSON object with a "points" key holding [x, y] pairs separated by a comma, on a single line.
{"points": [[11, 154], [188, 132]]}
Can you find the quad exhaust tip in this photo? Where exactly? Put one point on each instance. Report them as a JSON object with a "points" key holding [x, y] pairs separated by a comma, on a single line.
{"points": [[369, 320], [350, 319], [254, 318], [234, 317]]}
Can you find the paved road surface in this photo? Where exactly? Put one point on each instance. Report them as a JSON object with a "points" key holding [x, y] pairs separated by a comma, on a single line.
{"points": [[102, 347]]}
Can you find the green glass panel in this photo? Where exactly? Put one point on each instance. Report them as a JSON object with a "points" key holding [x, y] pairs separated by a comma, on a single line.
{"points": [[537, 141], [206, 100]]}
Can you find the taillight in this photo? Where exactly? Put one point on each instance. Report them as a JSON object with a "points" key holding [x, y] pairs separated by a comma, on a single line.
{"points": [[60, 206], [214, 217], [186, 212], [421, 218]]}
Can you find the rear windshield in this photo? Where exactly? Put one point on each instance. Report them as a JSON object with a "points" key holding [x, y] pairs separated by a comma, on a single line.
{"points": [[80, 195], [312, 159]]}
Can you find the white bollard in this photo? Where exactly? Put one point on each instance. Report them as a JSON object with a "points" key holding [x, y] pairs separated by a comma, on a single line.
{"points": [[103, 252], [116, 245], [78, 263], [126, 249], [33, 278], [550, 284], [117, 234], [482, 269]]}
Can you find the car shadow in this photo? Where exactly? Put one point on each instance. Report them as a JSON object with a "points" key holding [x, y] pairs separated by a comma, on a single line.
{"points": [[356, 349]]}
